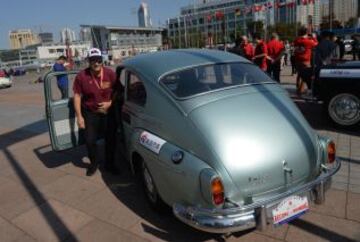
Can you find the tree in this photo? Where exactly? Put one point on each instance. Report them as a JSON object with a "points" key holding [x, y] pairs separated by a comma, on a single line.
{"points": [[325, 23], [351, 23], [255, 26]]}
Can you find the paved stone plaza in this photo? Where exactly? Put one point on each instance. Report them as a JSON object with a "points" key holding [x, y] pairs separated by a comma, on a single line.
{"points": [[45, 196]]}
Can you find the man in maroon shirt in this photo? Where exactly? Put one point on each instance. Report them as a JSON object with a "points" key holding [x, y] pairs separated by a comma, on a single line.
{"points": [[276, 50], [261, 52], [94, 90]]}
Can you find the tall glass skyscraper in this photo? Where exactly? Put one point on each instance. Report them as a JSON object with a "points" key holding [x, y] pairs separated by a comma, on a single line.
{"points": [[144, 16]]}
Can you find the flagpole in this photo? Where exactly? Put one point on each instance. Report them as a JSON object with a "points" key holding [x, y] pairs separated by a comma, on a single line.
{"points": [[179, 30]]}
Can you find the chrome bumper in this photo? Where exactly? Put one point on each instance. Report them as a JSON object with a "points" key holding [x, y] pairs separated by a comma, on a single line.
{"points": [[255, 215]]}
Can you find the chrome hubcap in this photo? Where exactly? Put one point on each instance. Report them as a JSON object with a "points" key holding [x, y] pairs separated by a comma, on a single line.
{"points": [[345, 109], [149, 184]]}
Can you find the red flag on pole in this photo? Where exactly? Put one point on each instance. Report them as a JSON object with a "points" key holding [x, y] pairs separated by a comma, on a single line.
{"points": [[219, 15]]}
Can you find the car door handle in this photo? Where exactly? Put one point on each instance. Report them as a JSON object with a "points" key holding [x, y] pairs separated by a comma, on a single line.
{"points": [[126, 117]]}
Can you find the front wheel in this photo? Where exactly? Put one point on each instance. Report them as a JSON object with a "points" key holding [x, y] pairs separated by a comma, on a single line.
{"points": [[344, 109]]}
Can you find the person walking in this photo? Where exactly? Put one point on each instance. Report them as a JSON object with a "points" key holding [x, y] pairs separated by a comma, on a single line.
{"points": [[62, 79], [94, 92], [304, 45], [341, 45], [276, 50], [326, 52], [261, 52], [247, 48], [355, 47], [287, 52]]}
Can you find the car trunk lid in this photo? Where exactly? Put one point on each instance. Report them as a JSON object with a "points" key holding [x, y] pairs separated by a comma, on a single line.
{"points": [[261, 139]]}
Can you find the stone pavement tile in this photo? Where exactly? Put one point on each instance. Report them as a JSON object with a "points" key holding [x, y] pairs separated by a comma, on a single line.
{"points": [[165, 227], [354, 188], [353, 206], [317, 227], [106, 206], [340, 178], [355, 181], [253, 237], [9, 232], [52, 221], [39, 176], [98, 230], [355, 168], [335, 204], [25, 238], [275, 232], [16, 199], [4, 181], [339, 186], [71, 189], [71, 169]]}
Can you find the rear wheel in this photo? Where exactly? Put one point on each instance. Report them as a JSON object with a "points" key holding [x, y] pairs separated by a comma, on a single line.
{"points": [[344, 109], [151, 191]]}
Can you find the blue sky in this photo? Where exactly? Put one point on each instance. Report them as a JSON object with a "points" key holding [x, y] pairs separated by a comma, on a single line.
{"points": [[50, 15]]}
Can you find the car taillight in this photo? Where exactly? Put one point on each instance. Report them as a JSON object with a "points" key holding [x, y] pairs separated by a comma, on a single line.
{"points": [[331, 150], [217, 190]]}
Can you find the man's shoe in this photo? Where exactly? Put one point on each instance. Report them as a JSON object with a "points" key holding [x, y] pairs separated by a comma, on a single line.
{"points": [[91, 170]]}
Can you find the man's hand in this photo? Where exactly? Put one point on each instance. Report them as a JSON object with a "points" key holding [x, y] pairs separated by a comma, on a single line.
{"points": [[80, 122], [103, 107]]}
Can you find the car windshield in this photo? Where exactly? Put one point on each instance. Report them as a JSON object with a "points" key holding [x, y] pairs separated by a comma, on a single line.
{"points": [[207, 78]]}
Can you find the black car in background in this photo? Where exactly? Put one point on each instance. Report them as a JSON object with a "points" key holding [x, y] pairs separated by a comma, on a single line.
{"points": [[338, 86]]}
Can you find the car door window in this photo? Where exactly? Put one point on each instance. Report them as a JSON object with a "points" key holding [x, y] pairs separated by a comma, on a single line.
{"points": [[136, 92]]}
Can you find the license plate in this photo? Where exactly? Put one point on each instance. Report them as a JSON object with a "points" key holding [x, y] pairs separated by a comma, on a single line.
{"points": [[290, 208]]}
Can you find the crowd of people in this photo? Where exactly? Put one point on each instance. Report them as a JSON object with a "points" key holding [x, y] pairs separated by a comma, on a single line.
{"points": [[307, 54]]}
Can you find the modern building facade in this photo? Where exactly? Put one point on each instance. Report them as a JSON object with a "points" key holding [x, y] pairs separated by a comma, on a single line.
{"points": [[309, 15], [53, 51], [67, 34], [121, 42], [22, 38], [46, 37], [345, 9], [144, 16], [85, 34], [212, 22]]}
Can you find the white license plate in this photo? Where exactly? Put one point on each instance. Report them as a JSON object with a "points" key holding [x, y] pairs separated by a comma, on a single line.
{"points": [[290, 208]]}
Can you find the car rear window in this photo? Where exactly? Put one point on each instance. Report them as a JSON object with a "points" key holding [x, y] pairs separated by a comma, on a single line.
{"points": [[207, 78]]}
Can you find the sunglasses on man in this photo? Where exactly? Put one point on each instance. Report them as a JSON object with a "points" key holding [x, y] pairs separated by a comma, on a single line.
{"points": [[96, 60]]}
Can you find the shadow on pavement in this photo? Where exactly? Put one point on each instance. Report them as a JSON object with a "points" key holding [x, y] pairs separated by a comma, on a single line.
{"points": [[19, 135], [319, 231]]}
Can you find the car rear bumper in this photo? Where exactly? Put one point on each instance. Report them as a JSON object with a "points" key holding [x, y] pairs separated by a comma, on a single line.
{"points": [[256, 215]]}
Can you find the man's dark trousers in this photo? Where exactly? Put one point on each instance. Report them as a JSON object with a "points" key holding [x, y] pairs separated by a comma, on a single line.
{"points": [[98, 125], [274, 70]]}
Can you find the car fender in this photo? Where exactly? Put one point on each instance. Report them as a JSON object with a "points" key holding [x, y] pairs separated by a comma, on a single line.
{"points": [[175, 181]]}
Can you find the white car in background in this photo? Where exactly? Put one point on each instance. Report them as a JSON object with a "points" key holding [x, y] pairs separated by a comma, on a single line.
{"points": [[5, 80]]}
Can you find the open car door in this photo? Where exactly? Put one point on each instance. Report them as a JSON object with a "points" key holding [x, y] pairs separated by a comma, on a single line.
{"points": [[60, 113]]}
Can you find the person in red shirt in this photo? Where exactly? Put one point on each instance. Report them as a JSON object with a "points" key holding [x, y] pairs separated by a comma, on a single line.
{"points": [[276, 50], [94, 89], [247, 48], [303, 48], [261, 52]]}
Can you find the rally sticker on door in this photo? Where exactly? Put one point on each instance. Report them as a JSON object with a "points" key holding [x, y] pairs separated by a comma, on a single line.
{"points": [[151, 142]]}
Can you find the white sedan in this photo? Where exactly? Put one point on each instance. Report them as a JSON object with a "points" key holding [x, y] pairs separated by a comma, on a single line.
{"points": [[5, 82]]}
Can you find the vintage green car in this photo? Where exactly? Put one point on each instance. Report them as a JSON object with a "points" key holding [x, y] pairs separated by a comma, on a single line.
{"points": [[214, 138]]}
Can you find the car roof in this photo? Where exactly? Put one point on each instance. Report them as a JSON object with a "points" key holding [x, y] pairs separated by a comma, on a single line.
{"points": [[154, 65]]}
